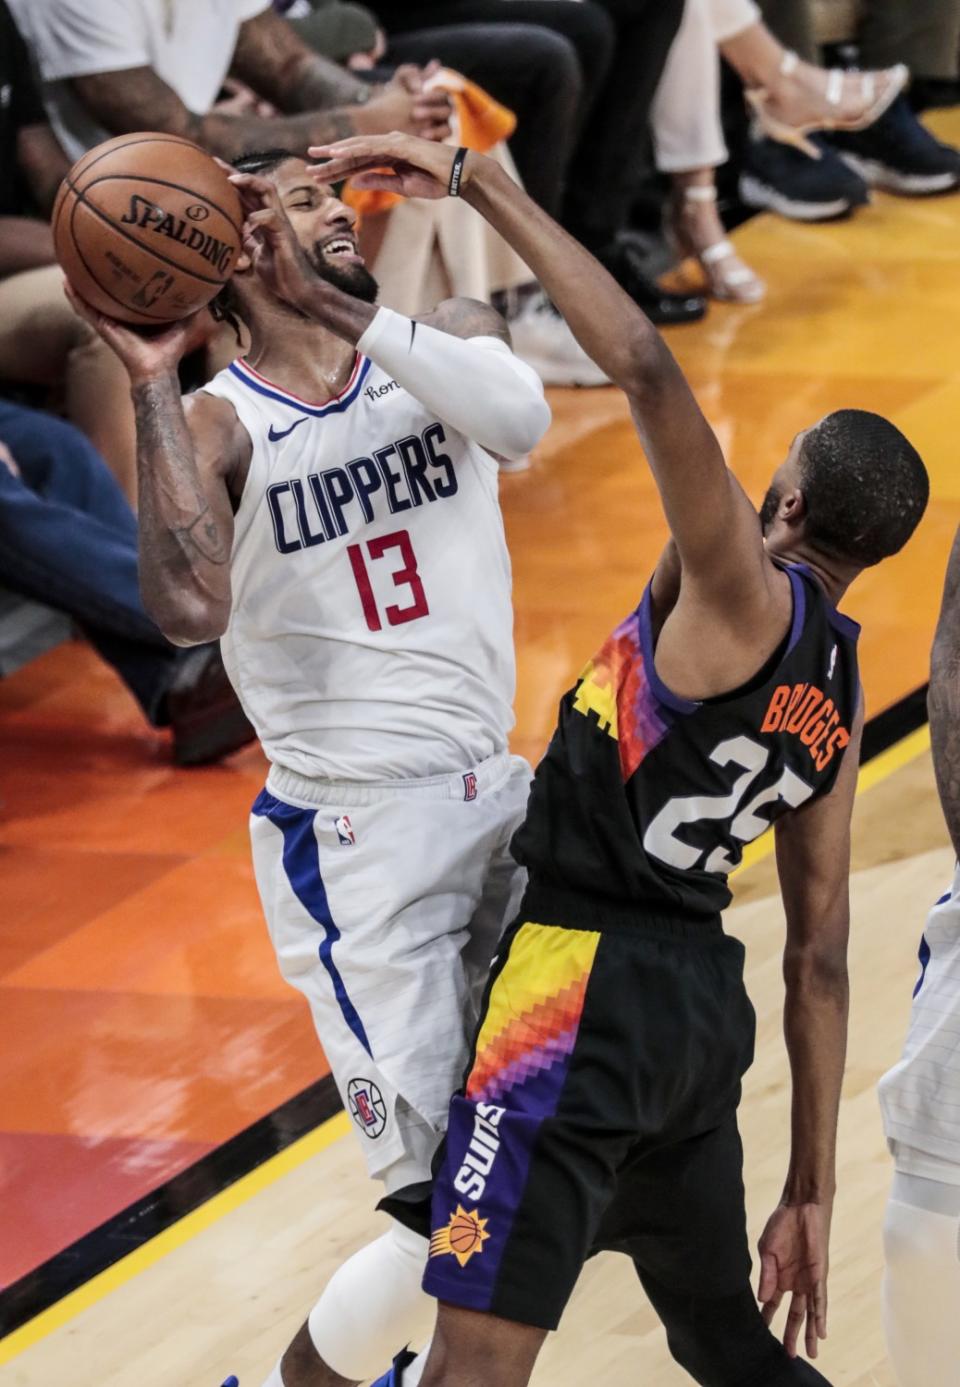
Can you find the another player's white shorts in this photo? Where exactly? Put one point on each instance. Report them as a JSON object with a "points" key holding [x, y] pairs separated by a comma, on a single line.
{"points": [[921, 1282], [385, 905]]}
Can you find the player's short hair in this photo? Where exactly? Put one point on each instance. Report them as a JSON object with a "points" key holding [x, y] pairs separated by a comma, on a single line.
{"points": [[864, 484], [226, 306]]}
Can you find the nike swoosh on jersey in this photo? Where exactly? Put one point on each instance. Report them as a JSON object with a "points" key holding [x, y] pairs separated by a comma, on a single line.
{"points": [[275, 436]]}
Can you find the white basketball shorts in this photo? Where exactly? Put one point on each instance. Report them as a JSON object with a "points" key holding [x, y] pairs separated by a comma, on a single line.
{"points": [[385, 905]]}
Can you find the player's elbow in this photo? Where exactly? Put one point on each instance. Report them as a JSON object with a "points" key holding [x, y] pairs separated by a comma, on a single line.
{"points": [[639, 363], [523, 427], [190, 622], [818, 968]]}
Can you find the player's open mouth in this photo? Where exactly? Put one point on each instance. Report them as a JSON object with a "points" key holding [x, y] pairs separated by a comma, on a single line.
{"points": [[343, 248]]}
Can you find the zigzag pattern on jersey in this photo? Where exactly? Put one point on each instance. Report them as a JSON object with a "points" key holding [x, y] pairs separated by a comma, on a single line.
{"points": [[532, 1019], [614, 686]]}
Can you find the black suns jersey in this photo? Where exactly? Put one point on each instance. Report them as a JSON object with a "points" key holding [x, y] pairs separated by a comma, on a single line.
{"points": [[646, 799]]}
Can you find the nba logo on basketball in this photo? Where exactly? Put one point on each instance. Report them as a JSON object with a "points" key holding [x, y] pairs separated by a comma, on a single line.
{"points": [[469, 785], [345, 831]]}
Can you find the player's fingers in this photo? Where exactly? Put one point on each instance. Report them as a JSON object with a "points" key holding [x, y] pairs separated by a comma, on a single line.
{"points": [[769, 1277], [795, 1318], [820, 1308], [378, 183], [339, 169], [811, 1337], [769, 1307]]}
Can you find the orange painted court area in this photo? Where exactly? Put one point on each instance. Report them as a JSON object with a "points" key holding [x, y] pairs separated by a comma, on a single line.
{"points": [[142, 1018]]}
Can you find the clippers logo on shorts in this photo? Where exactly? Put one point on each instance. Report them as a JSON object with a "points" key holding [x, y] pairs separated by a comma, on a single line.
{"points": [[367, 1107], [462, 1237], [345, 831], [469, 786]]}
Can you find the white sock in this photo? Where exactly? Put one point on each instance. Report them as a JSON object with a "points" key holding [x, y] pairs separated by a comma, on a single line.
{"points": [[276, 1377]]}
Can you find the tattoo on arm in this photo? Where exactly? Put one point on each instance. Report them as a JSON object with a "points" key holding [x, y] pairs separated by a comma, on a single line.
{"points": [[468, 318], [943, 699], [943, 704], [271, 58], [137, 99], [184, 546], [164, 445]]}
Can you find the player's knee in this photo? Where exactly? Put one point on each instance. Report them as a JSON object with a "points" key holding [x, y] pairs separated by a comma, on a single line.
{"points": [[373, 1305]]}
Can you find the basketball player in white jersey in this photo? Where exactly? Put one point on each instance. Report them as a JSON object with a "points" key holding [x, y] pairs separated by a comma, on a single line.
{"points": [[920, 1096], [328, 507]]}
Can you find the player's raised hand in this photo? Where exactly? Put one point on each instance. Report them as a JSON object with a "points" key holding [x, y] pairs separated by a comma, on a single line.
{"points": [[395, 163], [147, 353], [274, 252], [794, 1261]]}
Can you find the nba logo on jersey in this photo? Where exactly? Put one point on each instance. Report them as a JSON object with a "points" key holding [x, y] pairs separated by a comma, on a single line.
{"points": [[345, 831], [469, 785]]}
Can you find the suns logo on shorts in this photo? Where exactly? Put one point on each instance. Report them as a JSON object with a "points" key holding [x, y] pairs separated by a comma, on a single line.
{"points": [[462, 1237]]}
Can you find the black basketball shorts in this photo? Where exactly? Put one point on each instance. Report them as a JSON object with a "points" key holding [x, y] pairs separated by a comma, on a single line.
{"points": [[599, 1111]]}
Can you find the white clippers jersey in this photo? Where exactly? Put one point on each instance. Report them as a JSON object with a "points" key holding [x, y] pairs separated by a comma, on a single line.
{"points": [[371, 635], [920, 1096]]}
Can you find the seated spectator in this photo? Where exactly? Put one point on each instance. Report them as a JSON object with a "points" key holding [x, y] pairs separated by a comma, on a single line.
{"points": [[795, 98], [896, 152], [113, 66], [69, 539], [43, 342], [580, 75]]}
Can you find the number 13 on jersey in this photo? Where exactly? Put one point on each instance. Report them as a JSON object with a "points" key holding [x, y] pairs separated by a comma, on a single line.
{"points": [[406, 579]]}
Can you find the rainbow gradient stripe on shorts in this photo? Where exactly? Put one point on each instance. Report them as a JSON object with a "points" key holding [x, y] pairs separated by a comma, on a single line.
{"points": [[533, 1014], [615, 687], [516, 1084]]}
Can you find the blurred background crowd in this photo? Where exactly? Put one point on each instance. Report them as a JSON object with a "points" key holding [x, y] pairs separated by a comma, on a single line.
{"points": [[647, 127]]}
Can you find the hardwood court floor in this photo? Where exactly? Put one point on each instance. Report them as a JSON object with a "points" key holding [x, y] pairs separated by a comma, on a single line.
{"points": [[227, 1299], [142, 1021]]}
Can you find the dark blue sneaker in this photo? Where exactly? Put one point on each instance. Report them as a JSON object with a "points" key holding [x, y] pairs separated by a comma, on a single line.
{"points": [[899, 154], [394, 1378], [781, 179]]}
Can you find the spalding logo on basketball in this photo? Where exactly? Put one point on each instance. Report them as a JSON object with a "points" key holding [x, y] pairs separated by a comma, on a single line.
{"points": [[147, 228], [367, 1107]]}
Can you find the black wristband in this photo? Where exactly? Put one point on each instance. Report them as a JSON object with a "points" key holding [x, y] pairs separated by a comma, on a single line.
{"points": [[456, 173]]}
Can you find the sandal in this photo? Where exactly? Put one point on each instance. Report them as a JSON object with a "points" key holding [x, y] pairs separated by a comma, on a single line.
{"points": [[728, 277], [876, 97]]}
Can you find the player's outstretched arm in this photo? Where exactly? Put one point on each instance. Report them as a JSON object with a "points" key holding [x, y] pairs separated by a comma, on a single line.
{"points": [[813, 861], [456, 361], [183, 473], [943, 698], [714, 525]]}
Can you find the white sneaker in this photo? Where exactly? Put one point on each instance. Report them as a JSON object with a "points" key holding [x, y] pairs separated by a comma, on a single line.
{"points": [[542, 339]]}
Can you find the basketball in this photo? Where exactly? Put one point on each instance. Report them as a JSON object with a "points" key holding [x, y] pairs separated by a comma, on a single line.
{"points": [[147, 228]]}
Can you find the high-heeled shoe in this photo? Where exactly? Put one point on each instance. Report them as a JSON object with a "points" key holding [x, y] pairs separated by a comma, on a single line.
{"points": [[876, 98], [728, 277]]}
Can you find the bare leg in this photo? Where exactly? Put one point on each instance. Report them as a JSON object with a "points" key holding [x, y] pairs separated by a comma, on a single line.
{"points": [[800, 96], [474, 1350], [699, 232]]}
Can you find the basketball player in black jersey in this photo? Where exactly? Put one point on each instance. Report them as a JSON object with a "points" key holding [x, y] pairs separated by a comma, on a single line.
{"points": [[599, 1108]]}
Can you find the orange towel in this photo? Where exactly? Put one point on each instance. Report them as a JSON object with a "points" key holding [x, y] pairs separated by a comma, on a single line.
{"points": [[480, 122]]}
